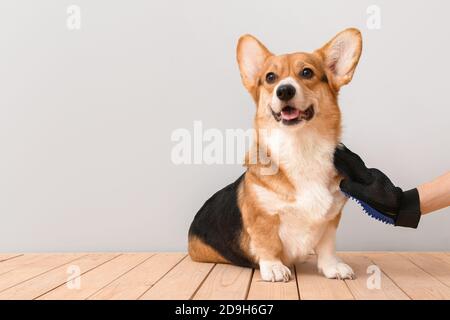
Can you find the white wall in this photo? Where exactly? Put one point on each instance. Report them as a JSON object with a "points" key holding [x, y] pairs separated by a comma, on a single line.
{"points": [[86, 116]]}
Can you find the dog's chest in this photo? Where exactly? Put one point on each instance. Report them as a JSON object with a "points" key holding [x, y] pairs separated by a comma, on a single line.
{"points": [[303, 222], [308, 165], [317, 199]]}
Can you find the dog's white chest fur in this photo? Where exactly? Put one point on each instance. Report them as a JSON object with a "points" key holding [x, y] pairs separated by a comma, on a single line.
{"points": [[308, 161]]}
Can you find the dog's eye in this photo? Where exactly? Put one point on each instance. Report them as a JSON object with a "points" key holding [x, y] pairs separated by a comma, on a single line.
{"points": [[271, 77], [306, 73]]}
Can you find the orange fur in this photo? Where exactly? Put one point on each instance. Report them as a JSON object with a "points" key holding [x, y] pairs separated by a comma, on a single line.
{"points": [[200, 251]]}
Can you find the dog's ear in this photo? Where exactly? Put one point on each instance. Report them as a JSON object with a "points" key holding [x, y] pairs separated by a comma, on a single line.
{"points": [[251, 55], [341, 55]]}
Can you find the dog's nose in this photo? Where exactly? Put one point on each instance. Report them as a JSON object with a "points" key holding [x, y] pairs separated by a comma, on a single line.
{"points": [[286, 92]]}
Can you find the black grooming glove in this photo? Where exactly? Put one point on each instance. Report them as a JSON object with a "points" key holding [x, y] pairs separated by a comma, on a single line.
{"points": [[374, 188]]}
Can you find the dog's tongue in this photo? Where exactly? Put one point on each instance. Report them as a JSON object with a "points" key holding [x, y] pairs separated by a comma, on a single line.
{"points": [[289, 113]]}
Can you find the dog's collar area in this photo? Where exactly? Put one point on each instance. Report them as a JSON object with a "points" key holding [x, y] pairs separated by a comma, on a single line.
{"points": [[306, 115]]}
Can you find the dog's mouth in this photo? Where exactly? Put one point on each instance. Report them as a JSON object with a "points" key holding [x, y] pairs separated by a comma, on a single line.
{"points": [[290, 115]]}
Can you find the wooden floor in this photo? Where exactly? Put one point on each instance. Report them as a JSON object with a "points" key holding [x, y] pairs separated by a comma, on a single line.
{"points": [[176, 276]]}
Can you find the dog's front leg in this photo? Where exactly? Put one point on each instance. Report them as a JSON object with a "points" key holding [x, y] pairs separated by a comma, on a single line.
{"points": [[266, 245], [327, 261]]}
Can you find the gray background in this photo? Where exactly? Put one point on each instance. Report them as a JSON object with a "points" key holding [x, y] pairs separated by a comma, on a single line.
{"points": [[86, 116]]}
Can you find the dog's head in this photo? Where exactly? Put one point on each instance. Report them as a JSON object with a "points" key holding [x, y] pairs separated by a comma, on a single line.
{"points": [[299, 90]]}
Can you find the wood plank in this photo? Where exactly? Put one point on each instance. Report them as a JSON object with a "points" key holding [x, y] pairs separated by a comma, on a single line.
{"points": [[173, 276], [34, 267], [432, 264], [8, 265], [181, 282], [263, 290], [442, 256], [43, 283], [9, 256], [225, 282], [136, 282], [98, 278], [359, 287], [314, 286], [415, 282]]}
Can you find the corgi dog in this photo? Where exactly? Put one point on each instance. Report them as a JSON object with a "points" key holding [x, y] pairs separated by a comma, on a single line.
{"points": [[272, 219]]}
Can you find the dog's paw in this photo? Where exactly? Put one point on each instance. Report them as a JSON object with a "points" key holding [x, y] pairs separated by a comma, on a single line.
{"points": [[338, 270], [274, 271]]}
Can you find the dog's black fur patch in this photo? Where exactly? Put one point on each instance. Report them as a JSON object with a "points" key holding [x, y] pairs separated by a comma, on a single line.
{"points": [[324, 78], [218, 223]]}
